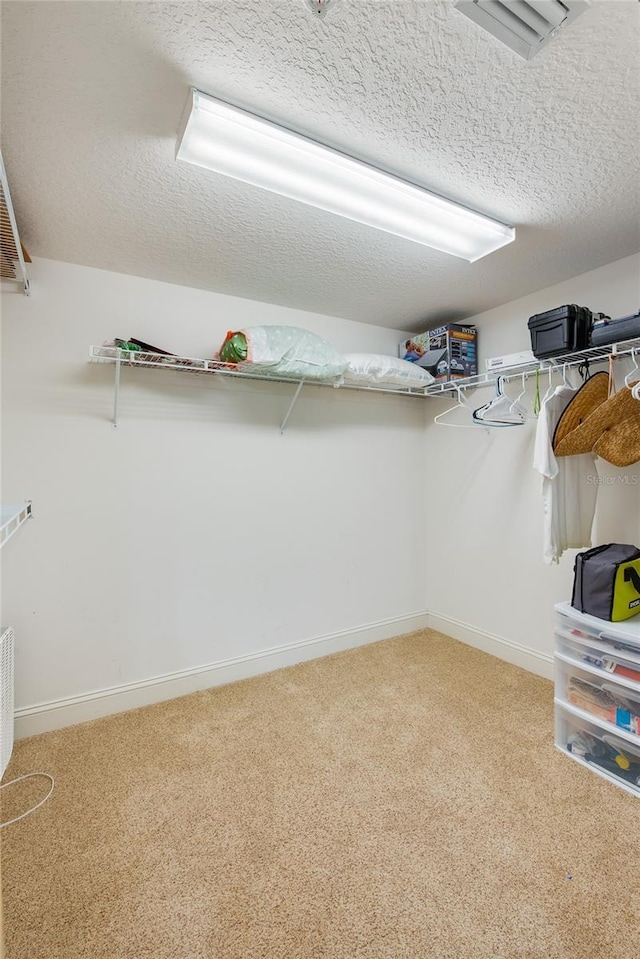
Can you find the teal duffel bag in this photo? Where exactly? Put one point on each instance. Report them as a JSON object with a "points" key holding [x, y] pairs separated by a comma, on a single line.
{"points": [[607, 582]]}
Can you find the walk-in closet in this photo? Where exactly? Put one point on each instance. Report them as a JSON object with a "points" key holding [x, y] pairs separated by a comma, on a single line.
{"points": [[320, 479]]}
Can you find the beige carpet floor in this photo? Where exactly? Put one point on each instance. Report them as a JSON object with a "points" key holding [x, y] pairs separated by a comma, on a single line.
{"points": [[398, 801]]}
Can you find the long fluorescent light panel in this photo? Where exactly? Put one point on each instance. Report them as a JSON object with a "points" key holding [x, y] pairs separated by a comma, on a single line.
{"points": [[237, 144]]}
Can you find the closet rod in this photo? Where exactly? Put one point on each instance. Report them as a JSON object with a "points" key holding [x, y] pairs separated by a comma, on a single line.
{"points": [[595, 354]]}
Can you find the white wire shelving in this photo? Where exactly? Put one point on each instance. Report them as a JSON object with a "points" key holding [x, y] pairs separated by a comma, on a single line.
{"points": [[210, 367], [11, 519], [595, 354]]}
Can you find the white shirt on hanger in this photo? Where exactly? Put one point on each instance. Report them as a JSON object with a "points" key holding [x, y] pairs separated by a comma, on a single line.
{"points": [[569, 484]]}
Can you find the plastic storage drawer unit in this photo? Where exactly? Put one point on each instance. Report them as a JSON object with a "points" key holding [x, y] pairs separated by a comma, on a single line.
{"points": [[597, 694]]}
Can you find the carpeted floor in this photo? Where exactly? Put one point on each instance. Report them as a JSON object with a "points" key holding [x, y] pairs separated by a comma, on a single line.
{"points": [[398, 801]]}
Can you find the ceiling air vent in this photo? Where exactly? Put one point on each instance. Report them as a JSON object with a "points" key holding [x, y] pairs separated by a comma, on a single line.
{"points": [[13, 256], [524, 25], [320, 7]]}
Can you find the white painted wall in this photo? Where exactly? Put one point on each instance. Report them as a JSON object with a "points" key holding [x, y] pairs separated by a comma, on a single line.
{"points": [[195, 544], [487, 580], [194, 534]]}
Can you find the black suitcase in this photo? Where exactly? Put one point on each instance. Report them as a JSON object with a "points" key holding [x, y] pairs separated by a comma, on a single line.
{"points": [[563, 330], [614, 331]]}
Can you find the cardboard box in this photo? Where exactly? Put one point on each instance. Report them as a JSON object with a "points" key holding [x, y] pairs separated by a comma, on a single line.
{"points": [[449, 352]]}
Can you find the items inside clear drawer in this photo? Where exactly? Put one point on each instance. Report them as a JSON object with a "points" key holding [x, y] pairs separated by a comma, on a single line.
{"points": [[619, 660], [613, 756], [600, 697]]}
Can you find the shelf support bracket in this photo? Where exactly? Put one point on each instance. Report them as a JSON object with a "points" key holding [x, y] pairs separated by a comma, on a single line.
{"points": [[291, 405], [116, 392], [14, 522]]}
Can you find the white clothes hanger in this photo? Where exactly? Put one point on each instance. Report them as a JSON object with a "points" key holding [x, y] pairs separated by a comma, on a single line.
{"points": [[516, 402], [461, 404], [635, 372], [502, 410], [550, 387], [565, 377]]}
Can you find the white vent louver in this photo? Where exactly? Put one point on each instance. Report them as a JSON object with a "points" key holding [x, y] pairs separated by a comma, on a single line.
{"points": [[13, 257], [524, 25], [320, 7], [6, 697]]}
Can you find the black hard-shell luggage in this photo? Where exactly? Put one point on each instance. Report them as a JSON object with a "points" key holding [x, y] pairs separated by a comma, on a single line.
{"points": [[563, 330], [614, 331]]}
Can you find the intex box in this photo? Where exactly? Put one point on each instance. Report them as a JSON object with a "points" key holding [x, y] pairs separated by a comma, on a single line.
{"points": [[448, 352]]}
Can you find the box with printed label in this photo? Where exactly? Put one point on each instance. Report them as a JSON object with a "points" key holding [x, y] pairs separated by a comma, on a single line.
{"points": [[448, 352]]}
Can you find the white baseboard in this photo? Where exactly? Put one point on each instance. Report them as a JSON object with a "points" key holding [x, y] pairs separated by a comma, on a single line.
{"points": [[45, 717], [530, 659]]}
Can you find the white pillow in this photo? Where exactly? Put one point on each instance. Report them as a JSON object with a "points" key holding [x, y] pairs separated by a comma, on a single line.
{"points": [[375, 369], [290, 351]]}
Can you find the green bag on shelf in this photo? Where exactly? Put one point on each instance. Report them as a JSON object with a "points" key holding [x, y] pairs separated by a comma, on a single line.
{"points": [[234, 348], [607, 582]]}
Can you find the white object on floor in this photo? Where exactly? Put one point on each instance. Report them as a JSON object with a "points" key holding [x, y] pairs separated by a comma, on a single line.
{"points": [[6, 697]]}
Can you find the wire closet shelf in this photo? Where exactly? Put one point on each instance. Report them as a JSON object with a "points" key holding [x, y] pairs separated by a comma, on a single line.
{"points": [[112, 354], [595, 354], [128, 358]]}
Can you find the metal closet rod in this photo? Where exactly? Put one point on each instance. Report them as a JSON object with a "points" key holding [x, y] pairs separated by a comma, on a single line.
{"points": [[559, 367]]}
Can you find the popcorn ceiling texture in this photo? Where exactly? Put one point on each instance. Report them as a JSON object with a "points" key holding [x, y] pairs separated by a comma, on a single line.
{"points": [[93, 93]]}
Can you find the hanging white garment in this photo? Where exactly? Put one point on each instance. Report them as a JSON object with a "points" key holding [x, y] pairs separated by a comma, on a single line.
{"points": [[569, 484]]}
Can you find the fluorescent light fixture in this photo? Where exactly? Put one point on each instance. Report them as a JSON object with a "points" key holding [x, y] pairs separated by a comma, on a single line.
{"points": [[526, 26], [222, 138]]}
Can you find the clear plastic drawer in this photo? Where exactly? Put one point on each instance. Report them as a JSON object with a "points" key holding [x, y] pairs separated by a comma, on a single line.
{"points": [[619, 662], [605, 753], [625, 633], [594, 694]]}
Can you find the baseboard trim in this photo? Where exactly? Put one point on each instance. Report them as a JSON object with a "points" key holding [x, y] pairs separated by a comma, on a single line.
{"points": [[45, 717], [530, 659]]}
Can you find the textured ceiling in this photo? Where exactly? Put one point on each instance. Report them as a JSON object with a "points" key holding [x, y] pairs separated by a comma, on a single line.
{"points": [[91, 100]]}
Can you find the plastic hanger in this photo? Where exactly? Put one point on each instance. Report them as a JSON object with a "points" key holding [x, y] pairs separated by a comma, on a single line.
{"points": [[565, 377], [461, 404], [516, 402], [537, 402], [635, 372], [550, 387], [502, 410]]}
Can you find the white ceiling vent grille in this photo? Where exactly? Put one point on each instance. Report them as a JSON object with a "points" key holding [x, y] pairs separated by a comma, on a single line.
{"points": [[524, 25], [320, 7], [13, 256]]}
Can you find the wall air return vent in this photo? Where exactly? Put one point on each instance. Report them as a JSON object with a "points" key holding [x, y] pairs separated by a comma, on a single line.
{"points": [[524, 25], [6, 696]]}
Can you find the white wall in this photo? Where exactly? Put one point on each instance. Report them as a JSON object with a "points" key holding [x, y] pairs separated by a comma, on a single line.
{"points": [[487, 582], [194, 534]]}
